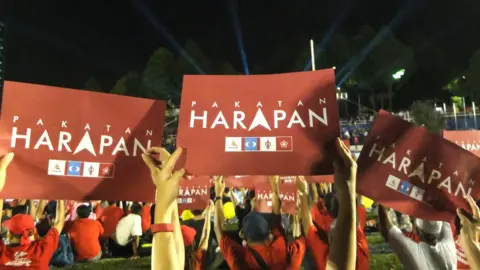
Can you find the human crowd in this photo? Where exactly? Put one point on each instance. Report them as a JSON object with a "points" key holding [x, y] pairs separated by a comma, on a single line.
{"points": [[328, 227]]}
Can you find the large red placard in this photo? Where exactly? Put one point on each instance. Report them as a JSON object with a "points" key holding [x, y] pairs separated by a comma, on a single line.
{"points": [[405, 167], [78, 145], [280, 124]]}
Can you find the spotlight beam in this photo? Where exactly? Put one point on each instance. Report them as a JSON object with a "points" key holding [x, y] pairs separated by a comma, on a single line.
{"points": [[233, 8], [140, 7]]}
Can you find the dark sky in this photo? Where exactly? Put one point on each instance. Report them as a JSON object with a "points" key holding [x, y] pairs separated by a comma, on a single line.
{"points": [[64, 42]]}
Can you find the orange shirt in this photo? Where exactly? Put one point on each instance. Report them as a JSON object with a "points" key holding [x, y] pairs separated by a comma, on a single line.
{"points": [[274, 254], [84, 235], [110, 217], [146, 218], [36, 255]]}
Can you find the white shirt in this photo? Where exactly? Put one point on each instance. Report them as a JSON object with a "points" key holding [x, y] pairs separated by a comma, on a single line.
{"points": [[420, 256], [127, 228]]}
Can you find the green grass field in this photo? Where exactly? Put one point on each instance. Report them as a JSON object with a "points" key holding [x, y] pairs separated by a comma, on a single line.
{"points": [[377, 261]]}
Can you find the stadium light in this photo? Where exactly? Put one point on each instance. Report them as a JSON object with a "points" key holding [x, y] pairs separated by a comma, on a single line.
{"points": [[399, 74], [334, 67], [342, 95]]}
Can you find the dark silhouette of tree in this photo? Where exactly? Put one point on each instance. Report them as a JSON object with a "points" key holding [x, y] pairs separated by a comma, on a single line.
{"points": [[93, 85], [424, 114]]}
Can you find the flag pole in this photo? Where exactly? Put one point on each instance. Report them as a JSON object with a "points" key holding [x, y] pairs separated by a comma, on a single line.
{"points": [[312, 53], [474, 114]]}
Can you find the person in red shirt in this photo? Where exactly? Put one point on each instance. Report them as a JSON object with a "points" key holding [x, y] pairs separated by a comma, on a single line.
{"points": [[23, 250], [264, 245], [85, 234], [146, 217], [111, 215]]}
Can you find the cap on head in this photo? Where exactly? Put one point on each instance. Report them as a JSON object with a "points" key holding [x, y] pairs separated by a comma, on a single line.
{"points": [[188, 234], [429, 226], [255, 227], [21, 224]]}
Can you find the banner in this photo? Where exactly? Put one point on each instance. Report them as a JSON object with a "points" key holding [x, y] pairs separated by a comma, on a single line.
{"points": [[467, 139], [280, 124], [405, 167], [194, 193], [78, 145], [288, 195]]}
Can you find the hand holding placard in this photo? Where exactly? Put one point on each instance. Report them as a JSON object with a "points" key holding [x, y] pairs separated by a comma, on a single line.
{"points": [[4, 162]]}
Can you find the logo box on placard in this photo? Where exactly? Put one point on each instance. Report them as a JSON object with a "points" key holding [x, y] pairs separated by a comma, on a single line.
{"points": [[91, 150], [279, 119]]}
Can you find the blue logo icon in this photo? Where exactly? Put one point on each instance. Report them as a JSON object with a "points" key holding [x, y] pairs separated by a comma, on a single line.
{"points": [[250, 144], [74, 168], [405, 187]]}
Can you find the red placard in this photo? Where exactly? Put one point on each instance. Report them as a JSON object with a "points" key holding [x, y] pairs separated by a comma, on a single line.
{"points": [[194, 193], [78, 145], [467, 139], [288, 194], [239, 181], [405, 167], [281, 124]]}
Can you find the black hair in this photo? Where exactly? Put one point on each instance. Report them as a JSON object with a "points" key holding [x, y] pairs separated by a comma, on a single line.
{"points": [[7, 206], [51, 209], [136, 208], [112, 202], [331, 202], [20, 209], [197, 212], [84, 211]]}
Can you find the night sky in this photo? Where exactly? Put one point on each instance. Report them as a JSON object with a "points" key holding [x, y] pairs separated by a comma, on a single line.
{"points": [[63, 42]]}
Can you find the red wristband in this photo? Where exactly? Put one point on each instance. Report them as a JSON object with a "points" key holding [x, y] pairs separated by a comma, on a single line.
{"points": [[162, 227]]}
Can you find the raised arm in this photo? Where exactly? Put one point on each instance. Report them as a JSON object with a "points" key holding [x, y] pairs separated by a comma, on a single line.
{"points": [[164, 248], [305, 213], [4, 162], [469, 233], [385, 221], [342, 253], [219, 217], [60, 217], [203, 245], [276, 202]]}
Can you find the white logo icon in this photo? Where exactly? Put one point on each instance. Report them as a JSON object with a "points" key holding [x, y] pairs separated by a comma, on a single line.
{"points": [[233, 144], [91, 169], [417, 193], [393, 182], [284, 144], [259, 120], [106, 171], [85, 144], [56, 167]]}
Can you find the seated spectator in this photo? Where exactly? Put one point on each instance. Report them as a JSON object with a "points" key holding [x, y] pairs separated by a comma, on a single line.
{"points": [[126, 239], [110, 217], [85, 234]]}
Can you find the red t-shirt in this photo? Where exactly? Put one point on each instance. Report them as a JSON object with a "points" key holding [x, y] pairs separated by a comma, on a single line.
{"points": [[274, 255], [84, 236], [146, 218], [321, 217], [36, 255], [363, 253], [362, 216], [317, 241], [110, 217]]}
